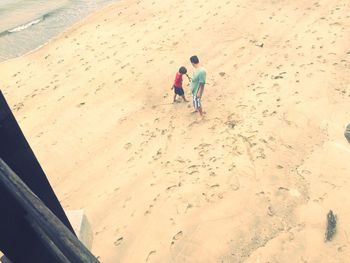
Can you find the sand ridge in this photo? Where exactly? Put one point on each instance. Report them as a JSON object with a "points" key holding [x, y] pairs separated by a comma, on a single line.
{"points": [[251, 182]]}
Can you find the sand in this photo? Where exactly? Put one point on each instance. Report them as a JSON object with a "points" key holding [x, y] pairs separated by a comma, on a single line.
{"points": [[251, 182]]}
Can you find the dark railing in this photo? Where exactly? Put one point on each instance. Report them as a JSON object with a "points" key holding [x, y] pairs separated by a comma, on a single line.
{"points": [[48, 239]]}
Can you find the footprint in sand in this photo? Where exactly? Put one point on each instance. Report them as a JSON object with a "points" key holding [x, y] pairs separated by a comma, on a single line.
{"points": [[18, 106], [150, 254], [39, 134], [157, 155], [173, 186], [222, 74], [177, 237], [127, 146], [81, 104], [119, 241]]}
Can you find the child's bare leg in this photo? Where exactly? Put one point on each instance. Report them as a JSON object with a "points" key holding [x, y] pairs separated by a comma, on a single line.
{"points": [[174, 97], [183, 96], [194, 109], [200, 111]]}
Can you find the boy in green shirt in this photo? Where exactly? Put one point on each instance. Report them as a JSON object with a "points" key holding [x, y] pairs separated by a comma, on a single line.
{"points": [[197, 84]]}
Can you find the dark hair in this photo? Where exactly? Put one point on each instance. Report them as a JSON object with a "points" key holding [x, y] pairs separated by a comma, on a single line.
{"points": [[183, 70], [194, 60]]}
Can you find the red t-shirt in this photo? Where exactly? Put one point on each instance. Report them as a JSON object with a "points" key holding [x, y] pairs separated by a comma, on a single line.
{"points": [[178, 80]]}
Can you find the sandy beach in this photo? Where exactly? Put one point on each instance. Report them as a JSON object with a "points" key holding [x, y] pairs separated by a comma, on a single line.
{"points": [[251, 182]]}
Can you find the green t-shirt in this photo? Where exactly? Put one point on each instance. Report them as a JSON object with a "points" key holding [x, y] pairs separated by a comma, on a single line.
{"points": [[199, 76]]}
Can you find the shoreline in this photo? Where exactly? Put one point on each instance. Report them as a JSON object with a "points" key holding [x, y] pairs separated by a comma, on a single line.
{"points": [[67, 30]]}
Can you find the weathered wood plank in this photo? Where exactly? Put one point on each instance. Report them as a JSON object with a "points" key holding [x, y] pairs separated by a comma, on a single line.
{"points": [[16, 152], [48, 243], [51, 228]]}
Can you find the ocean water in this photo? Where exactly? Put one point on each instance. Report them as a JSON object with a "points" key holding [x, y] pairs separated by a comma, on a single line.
{"points": [[28, 24]]}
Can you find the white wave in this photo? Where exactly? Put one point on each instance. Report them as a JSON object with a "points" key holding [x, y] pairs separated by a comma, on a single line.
{"points": [[25, 26]]}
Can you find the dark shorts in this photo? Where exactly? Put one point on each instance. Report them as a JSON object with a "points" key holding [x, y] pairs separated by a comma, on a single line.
{"points": [[179, 91]]}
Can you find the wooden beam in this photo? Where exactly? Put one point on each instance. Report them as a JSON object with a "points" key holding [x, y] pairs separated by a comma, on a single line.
{"points": [[60, 241]]}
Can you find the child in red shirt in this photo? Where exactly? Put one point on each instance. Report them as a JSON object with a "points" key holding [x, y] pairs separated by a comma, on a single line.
{"points": [[178, 90]]}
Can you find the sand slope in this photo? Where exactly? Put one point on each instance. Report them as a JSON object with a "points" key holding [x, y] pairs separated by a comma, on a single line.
{"points": [[252, 182]]}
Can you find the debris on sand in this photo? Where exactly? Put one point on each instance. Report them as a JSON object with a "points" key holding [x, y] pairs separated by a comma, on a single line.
{"points": [[331, 225]]}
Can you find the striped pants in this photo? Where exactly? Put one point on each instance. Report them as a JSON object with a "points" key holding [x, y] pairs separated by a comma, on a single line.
{"points": [[197, 102]]}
